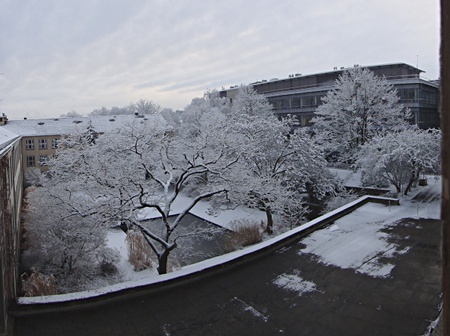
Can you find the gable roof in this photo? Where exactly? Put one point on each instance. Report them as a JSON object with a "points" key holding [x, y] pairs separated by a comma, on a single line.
{"points": [[60, 126]]}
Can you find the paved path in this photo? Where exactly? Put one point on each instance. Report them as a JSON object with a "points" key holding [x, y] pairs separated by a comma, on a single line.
{"points": [[248, 301]]}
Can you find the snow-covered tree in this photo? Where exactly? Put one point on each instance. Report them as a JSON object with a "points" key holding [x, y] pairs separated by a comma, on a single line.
{"points": [[252, 104], [71, 114], [360, 106], [280, 168], [144, 106], [145, 167], [399, 158], [244, 153], [90, 134], [62, 239]]}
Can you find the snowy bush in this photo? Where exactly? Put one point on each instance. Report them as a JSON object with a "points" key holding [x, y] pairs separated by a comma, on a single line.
{"points": [[63, 242], [400, 158], [244, 232], [37, 284], [139, 251]]}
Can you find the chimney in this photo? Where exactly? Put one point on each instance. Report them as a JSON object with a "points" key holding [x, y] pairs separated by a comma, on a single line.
{"points": [[3, 119]]}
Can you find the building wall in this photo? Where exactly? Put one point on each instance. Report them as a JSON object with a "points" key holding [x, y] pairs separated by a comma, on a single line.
{"points": [[11, 194], [37, 149], [301, 95]]}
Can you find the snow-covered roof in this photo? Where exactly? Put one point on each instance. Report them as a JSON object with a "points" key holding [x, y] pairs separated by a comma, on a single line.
{"points": [[58, 126], [6, 138]]}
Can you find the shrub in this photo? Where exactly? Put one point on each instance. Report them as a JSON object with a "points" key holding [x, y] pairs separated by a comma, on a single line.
{"points": [[37, 284], [244, 233], [139, 252]]}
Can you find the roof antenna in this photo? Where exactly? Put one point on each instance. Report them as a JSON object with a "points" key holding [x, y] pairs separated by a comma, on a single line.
{"points": [[417, 64]]}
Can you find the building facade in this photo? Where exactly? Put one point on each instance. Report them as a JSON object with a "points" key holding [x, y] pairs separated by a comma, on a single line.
{"points": [[301, 95], [11, 194]]}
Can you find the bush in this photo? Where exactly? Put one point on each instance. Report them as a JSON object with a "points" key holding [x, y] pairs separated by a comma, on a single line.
{"points": [[139, 252], [37, 284], [244, 233]]}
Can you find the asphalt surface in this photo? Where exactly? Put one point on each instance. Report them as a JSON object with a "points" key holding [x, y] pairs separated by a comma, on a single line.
{"points": [[246, 300]]}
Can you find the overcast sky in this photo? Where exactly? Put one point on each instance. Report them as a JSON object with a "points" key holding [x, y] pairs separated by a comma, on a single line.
{"points": [[59, 56]]}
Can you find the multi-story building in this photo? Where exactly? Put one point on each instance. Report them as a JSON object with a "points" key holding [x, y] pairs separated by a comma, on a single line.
{"points": [[301, 95]]}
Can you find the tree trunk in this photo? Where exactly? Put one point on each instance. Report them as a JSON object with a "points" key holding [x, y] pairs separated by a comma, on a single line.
{"points": [[162, 261], [412, 179], [269, 227]]}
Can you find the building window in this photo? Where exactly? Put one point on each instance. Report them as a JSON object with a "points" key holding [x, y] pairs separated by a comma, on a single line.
{"points": [[309, 102], [296, 103], [43, 160], [54, 143], [30, 161], [42, 143], [29, 144]]}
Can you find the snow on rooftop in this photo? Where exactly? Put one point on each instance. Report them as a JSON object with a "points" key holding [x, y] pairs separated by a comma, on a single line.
{"points": [[57, 126]]}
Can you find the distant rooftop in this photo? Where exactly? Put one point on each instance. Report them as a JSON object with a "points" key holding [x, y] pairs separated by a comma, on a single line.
{"points": [[69, 125], [411, 70]]}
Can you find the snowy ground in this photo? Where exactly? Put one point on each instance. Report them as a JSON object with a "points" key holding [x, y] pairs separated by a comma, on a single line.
{"points": [[348, 177], [201, 209]]}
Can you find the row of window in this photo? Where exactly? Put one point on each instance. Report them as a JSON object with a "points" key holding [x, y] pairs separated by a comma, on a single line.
{"points": [[42, 143], [295, 102], [417, 95], [31, 160]]}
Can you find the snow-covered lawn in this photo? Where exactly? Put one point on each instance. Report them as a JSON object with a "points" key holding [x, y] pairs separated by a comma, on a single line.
{"points": [[348, 177], [201, 209], [116, 240]]}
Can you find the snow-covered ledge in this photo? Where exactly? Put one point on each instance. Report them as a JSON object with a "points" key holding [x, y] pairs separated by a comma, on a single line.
{"points": [[191, 272]]}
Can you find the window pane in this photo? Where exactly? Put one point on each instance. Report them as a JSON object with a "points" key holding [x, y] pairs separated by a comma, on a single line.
{"points": [[30, 161]]}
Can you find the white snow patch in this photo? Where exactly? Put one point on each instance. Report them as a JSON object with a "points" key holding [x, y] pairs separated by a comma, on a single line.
{"points": [[251, 309], [358, 242], [404, 251], [348, 177], [294, 283], [116, 241], [223, 218], [333, 228]]}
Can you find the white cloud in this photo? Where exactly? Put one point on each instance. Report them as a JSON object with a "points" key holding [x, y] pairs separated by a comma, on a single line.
{"points": [[59, 56]]}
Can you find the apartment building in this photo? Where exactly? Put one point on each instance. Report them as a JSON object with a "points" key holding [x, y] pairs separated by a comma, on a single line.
{"points": [[300, 95]]}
